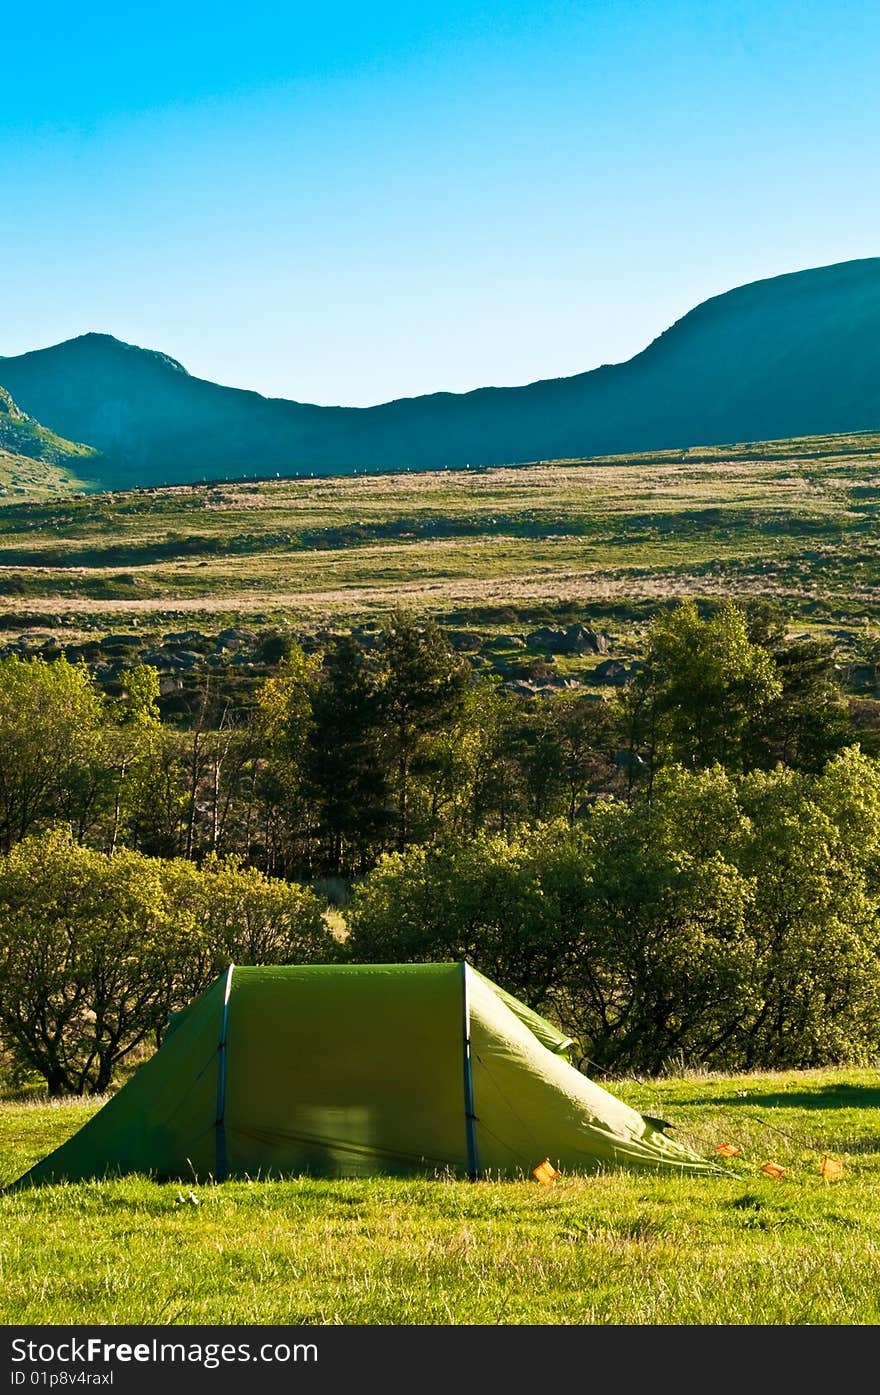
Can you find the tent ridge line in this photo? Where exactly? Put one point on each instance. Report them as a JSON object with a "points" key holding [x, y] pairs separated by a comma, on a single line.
{"points": [[221, 1167], [470, 1118]]}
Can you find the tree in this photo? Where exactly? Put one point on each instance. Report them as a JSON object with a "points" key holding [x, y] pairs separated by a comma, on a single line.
{"points": [[244, 917], [89, 958], [53, 758], [131, 744], [704, 689], [281, 730], [505, 904], [809, 721], [813, 852], [345, 775], [663, 956], [574, 735], [97, 950], [731, 921], [424, 686], [473, 780]]}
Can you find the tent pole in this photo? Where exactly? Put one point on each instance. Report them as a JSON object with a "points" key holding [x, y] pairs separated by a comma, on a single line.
{"points": [[470, 1118], [221, 1167]]}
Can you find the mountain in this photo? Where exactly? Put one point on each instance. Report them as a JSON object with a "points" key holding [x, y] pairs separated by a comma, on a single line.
{"points": [[795, 355], [33, 460]]}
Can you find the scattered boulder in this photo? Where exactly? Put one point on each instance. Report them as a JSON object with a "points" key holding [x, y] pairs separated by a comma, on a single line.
{"points": [[504, 642], [577, 639], [559, 682], [173, 661], [546, 641], [860, 678], [610, 671], [234, 635], [580, 640], [466, 642]]}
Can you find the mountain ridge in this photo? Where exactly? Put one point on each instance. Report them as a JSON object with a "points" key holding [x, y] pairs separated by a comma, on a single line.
{"points": [[793, 355]]}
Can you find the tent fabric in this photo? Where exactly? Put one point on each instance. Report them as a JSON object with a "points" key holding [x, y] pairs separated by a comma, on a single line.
{"points": [[547, 1034], [353, 1070]]}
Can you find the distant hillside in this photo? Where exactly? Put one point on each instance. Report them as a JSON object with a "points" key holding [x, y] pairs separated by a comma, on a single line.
{"points": [[33, 460], [793, 356]]}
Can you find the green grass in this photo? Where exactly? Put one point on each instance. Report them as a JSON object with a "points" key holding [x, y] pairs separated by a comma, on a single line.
{"points": [[619, 1248], [34, 462], [792, 520], [24, 478]]}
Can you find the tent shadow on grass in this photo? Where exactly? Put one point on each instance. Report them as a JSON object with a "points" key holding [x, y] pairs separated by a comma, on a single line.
{"points": [[859, 1145], [825, 1097]]}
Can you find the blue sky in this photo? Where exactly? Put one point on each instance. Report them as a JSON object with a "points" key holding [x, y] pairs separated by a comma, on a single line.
{"points": [[355, 202]]}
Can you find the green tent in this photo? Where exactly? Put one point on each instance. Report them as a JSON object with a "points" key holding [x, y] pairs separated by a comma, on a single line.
{"points": [[351, 1070]]}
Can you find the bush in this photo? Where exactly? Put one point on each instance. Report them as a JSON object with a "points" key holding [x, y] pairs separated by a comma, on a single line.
{"points": [[731, 921], [243, 917], [512, 907], [97, 950]]}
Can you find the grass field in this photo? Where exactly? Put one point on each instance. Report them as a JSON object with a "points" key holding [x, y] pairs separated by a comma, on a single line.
{"points": [[794, 520], [23, 478], [619, 1248]]}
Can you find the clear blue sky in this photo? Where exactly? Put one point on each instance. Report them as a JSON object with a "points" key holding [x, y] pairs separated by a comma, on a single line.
{"points": [[349, 202]]}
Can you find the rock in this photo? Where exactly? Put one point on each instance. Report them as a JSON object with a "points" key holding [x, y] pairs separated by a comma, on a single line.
{"points": [[172, 662], [547, 641], [577, 639], [561, 683], [861, 678], [234, 635], [580, 640], [610, 671], [120, 642], [466, 642], [184, 637]]}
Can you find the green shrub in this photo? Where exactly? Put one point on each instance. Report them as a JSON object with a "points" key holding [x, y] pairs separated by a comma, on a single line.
{"points": [[730, 921], [96, 950]]}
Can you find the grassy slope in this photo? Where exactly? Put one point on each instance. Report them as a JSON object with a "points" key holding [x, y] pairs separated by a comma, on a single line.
{"points": [[619, 1248], [35, 462], [23, 478], [795, 520]]}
